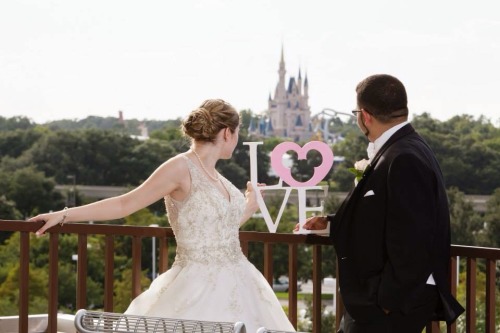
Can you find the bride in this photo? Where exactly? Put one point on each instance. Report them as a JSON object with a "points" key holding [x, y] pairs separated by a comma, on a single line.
{"points": [[211, 279]]}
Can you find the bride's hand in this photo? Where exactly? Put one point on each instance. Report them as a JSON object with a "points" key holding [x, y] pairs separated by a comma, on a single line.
{"points": [[50, 219], [251, 197]]}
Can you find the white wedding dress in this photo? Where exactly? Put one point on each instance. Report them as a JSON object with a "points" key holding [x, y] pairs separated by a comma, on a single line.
{"points": [[211, 279]]}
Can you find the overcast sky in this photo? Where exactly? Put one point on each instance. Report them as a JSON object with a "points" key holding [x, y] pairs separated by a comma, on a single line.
{"points": [[65, 59]]}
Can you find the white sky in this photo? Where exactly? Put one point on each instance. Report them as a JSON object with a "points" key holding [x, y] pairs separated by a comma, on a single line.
{"points": [[67, 59]]}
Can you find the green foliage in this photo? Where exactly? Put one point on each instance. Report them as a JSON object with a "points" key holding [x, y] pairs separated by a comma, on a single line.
{"points": [[467, 149], [464, 221], [303, 170], [122, 288], [480, 289], [492, 218], [327, 318], [31, 191], [328, 254], [128, 126], [353, 149], [246, 116], [14, 143], [9, 280], [9, 291], [8, 210], [94, 157], [171, 131], [15, 123]]}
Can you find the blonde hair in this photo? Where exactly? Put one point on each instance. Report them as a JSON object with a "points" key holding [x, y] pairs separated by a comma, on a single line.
{"points": [[205, 122]]}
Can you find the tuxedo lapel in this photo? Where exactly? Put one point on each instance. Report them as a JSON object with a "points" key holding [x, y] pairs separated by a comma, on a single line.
{"points": [[404, 131], [342, 213], [344, 207]]}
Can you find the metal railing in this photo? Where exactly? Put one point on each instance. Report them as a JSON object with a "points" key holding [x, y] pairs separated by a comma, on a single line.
{"points": [[108, 322], [137, 234]]}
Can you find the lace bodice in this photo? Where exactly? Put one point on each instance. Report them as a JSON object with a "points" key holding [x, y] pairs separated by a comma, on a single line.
{"points": [[206, 224]]}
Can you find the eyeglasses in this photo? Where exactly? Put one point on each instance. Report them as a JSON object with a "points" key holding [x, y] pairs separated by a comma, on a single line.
{"points": [[355, 112], [398, 113]]}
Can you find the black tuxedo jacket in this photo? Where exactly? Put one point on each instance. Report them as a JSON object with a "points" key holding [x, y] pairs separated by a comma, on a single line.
{"points": [[393, 230]]}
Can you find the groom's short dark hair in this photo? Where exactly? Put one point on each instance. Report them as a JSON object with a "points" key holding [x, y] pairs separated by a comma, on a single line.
{"points": [[383, 96]]}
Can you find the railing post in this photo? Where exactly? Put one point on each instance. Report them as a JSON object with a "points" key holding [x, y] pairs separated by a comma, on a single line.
{"points": [[339, 305], [53, 282], [136, 266], [81, 264], [163, 262], [454, 264], [292, 284], [24, 271], [433, 327], [109, 266], [490, 295], [268, 262], [470, 325], [316, 279]]}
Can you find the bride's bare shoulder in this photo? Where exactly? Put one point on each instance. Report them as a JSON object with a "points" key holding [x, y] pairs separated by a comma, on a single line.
{"points": [[177, 164]]}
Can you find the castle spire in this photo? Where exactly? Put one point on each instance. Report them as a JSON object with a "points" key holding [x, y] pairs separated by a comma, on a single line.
{"points": [[306, 88], [280, 88], [299, 83]]}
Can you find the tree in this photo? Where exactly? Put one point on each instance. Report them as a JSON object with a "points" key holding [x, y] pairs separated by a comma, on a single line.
{"points": [[14, 143], [327, 318], [14, 123], [465, 223], [303, 170], [9, 291], [492, 218], [467, 150], [170, 132], [31, 191], [8, 211], [123, 289], [9, 280], [352, 148]]}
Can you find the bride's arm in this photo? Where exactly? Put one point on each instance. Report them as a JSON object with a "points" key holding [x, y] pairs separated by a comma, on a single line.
{"points": [[251, 203], [164, 180]]}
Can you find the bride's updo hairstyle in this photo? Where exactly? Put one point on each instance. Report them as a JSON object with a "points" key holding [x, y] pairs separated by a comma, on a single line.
{"points": [[205, 122]]}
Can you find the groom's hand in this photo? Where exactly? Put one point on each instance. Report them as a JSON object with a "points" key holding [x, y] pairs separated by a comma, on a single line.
{"points": [[314, 223]]}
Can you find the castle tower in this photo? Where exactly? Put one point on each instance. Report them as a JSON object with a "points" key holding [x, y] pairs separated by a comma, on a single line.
{"points": [[288, 113]]}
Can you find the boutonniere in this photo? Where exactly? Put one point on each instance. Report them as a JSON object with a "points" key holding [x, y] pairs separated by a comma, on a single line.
{"points": [[359, 169]]}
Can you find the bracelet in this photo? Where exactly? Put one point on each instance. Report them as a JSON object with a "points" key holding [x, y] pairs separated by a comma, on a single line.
{"points": [[65, 215]]}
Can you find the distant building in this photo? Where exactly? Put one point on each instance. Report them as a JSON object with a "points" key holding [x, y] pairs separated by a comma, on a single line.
{"points": [[144, 132], [120, 117], [142, 127], [288, 114]]}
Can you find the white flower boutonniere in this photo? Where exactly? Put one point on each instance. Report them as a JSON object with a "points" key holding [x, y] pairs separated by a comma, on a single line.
{"points": [[359, 169]]}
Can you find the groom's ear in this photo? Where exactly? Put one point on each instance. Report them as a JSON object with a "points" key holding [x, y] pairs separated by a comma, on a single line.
{"points": [[367, 116]]}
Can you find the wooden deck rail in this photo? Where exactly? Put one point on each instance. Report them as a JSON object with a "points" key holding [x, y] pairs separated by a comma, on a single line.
{"points": [[137, 234], [470, 254]]}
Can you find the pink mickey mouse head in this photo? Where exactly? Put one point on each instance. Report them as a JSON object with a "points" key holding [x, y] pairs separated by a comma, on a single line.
{"points": [[286, 174]]}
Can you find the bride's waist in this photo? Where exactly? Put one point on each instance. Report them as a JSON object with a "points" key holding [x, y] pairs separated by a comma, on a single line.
{"points": [[208, 254]]}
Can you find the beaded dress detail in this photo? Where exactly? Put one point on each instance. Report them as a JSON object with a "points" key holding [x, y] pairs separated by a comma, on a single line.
{"points": [[210, 279]]}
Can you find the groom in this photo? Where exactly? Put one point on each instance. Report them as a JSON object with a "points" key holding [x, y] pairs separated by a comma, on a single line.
{"points": [[392, 232]]}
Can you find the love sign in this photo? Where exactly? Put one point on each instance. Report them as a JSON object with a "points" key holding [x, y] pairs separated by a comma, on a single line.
{"points": [[285, 174]]}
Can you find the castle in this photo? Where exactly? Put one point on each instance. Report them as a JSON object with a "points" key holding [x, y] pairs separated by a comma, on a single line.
{"points": [[288, 114]]}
